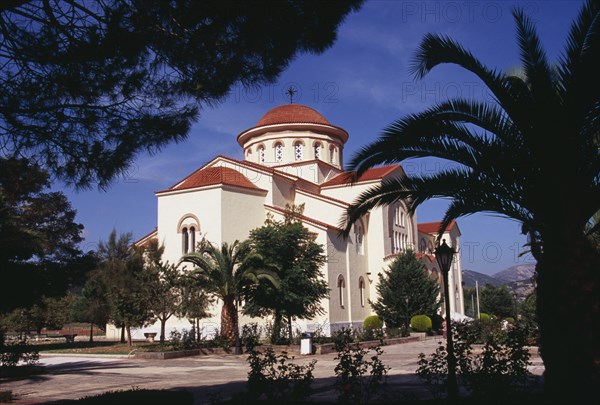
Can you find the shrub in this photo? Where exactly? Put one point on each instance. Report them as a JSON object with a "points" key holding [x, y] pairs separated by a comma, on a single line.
{"points": [[484, 318], [436, 322], [251, 336], [498, 373], [372, 322], [277, 377], [12, 353], [357, 379], [421, 323]]}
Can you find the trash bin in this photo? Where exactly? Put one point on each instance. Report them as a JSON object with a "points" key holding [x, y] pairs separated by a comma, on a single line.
{"points": [[306, 343]]}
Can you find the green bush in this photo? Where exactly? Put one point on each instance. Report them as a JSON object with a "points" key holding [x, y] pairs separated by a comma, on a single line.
{"points": [[421, 323], [276, 377], [498, 372], [372, 322], [484, 318]]}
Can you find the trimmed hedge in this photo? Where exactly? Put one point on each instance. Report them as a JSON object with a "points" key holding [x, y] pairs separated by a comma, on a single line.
{"points": [[421, 323], [372, 322]]}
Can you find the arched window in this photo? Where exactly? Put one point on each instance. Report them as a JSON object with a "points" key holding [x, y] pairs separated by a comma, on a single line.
{"points": [[332, 154], [318, 150], [361, 291], [188, 226], [185, 241], [278, 153], [298, 150], [341, 285], [422, 245], [360, 236], [261, 154], [192, 239]]}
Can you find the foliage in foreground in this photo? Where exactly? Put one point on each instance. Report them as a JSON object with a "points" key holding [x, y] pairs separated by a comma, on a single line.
{"points": [[358, 377], [498, 370], [274, 376], [20, 351], [139, 396]]}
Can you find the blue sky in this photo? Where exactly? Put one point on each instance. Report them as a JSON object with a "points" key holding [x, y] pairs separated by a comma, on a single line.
{"points": [[362, 84]]}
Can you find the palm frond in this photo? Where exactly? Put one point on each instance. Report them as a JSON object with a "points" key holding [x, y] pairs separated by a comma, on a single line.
{"points": [[510, 94], [580, 62], [440, 132]]}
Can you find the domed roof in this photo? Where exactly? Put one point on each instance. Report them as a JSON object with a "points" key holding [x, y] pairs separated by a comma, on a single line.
{"points": [[291, 114], [292, 117]]}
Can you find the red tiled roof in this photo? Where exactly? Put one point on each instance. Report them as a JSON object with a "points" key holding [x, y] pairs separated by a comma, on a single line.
{"points": [[431, 258], [434, 227], [145, 240], [292, 113], [214, 175], [425, 255], [375, 173], [305, 218]]}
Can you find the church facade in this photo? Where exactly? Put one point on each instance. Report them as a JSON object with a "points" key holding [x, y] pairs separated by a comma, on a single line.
{"points": [[294, 155]]}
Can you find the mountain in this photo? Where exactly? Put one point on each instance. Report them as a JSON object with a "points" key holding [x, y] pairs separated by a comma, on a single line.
{"points": [[469, 277], [518, 279], [516, 273]]}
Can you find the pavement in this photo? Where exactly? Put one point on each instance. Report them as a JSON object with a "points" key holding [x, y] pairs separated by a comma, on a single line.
{"points": [[210, 378]]}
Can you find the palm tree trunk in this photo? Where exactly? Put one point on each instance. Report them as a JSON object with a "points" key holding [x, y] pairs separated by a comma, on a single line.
{"points": [[568, 307], [123, 334], [229, 319], [91, 332]]}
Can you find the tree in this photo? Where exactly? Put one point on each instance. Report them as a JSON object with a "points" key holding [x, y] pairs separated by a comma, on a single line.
{"points": [[497, 301], [530, 154], [290, 249], [132, 75], [39, 256], [121, 271], [405, 290], [93, 305], [167, 284], [226, 272]]}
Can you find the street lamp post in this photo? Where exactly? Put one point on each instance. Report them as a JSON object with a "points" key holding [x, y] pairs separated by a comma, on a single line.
{"points": [[444, 255]]}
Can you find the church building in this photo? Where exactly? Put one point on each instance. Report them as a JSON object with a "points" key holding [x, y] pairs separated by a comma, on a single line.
{"points": [[294, 155]]}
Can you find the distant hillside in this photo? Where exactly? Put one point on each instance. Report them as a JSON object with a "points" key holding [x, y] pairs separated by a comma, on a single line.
{"points": [[518, 279], [516, 273], [469, 277]]}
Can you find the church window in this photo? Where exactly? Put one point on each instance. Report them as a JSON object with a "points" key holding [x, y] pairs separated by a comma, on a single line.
{"points": [[332, 154], [185, 241], [261, 154], [317, 151], [360, 236], [192, 239], [188, 226], [361, 291], [341, 285], [278, 153], [422, 245], [298, 150]]}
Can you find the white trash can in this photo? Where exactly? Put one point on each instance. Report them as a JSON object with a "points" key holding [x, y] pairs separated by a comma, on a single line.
{"points": [[306, 343]]}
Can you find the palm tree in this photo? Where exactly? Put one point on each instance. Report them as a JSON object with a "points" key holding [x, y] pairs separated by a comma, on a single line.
{"points": [[226, 272], [531, 155]]}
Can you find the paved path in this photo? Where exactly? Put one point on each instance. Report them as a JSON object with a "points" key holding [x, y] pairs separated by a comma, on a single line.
{"points": [[209, 378]]}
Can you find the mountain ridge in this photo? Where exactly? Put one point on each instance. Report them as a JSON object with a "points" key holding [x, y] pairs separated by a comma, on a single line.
{"points": [[519, 279]]}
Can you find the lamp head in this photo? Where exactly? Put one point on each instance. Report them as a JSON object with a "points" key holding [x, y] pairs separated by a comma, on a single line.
{"points": [[444, 255]]}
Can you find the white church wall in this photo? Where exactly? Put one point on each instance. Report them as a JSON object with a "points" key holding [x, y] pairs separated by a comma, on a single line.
{"points": [[241, 212], [205, 205]]}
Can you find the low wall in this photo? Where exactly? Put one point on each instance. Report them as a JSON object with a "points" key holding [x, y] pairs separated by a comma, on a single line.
{"points": [[324, 348]]}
